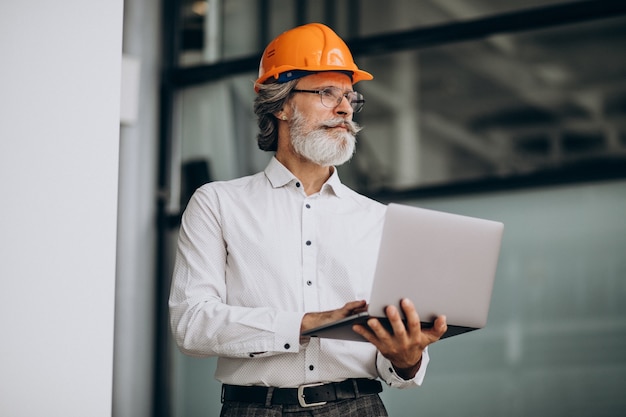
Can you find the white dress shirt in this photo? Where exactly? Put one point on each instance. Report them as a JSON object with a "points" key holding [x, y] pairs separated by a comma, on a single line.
{"points": [[254, 255]]}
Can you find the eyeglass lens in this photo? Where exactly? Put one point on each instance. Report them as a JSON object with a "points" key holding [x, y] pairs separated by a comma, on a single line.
{"points": [[332, 96]]}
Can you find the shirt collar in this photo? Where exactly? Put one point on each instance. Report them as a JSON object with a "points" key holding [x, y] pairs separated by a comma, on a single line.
{"points": [[279, 176]]}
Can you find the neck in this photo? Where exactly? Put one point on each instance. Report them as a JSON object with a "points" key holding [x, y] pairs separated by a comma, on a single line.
{"points": [[312, 176]]}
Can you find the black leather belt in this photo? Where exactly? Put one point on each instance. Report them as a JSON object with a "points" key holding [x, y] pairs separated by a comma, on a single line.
{"points": [[306, 395]]}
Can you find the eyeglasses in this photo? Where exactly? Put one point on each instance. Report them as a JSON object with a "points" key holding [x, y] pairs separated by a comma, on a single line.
{"points": [[331, 97]]}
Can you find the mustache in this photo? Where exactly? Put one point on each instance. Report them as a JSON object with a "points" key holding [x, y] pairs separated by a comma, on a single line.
{"points": [[352, 127]]}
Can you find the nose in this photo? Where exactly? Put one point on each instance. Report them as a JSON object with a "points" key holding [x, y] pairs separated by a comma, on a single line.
{"points": [[344, 108]]}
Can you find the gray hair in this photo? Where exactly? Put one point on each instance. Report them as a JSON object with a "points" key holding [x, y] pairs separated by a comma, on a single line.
{"points": [[270, 99]]}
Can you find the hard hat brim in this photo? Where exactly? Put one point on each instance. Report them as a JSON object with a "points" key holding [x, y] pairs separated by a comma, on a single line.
{"points": [[275, 75]]}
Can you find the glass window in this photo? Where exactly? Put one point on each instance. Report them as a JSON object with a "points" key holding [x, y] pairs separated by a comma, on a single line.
{"points": [[503, 106]]}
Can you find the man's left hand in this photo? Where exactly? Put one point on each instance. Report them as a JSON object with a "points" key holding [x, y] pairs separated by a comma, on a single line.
{"points": [[404, 346]]}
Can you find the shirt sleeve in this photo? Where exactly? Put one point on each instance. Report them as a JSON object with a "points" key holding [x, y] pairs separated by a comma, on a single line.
{"points": [[388, 374], [202, 323]]}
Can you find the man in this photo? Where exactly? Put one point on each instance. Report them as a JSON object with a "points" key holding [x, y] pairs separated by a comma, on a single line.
{"points": [[263, 258]]}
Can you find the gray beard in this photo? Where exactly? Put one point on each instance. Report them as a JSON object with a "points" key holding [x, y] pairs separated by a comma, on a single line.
{"points": [[323, 146]]}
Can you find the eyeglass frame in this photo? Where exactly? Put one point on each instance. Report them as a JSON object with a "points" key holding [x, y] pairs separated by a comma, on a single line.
{"points": [[358, 102]]}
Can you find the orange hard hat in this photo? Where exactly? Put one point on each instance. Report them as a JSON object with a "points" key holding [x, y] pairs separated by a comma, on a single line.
{"points": [[313, 47]]}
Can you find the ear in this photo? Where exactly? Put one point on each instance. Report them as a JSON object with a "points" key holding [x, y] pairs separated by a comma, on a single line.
{"points": [[280, 115]]}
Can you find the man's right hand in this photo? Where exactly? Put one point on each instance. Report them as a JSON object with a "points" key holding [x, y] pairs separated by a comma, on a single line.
{"points": [[313, 320]]}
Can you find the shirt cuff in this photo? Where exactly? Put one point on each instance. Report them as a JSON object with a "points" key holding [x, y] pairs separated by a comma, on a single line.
{"points": [[287, 332], [389, 375]]}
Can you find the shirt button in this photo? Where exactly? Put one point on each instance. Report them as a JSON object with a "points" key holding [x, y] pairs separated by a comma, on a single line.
{"points": [[311, 367], [308, 206], [298, 184], [309, 283], [287, 345], [308, 243]]}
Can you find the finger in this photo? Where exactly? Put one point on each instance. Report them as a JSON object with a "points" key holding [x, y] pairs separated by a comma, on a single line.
{"points": [[364, 331], [441, 325], [377, 329], [439, 328], [354, 305], [395, 319], [412, 317]]}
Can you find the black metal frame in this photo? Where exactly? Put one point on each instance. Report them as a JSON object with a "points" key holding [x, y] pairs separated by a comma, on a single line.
{"points": [[174, 78], [170, 42]]}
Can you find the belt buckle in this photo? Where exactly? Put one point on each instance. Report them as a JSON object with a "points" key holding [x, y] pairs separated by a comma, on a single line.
{"points": [[301, 397]]}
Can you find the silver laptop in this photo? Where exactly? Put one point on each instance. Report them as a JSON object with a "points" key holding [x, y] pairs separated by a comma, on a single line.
{"points": [[445, 263]]}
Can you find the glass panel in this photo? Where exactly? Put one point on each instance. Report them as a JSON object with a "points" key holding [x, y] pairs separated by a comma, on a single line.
{"points": [[218, 133], [217, 29], [555, 340], [499, 107], [214, 30], [503, 106]]}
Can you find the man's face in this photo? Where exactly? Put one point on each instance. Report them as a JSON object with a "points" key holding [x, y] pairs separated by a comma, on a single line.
{"points": [[320, 134]]}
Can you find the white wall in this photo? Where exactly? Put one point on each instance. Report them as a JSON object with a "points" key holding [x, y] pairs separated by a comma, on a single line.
{"points": [[59, 138]]}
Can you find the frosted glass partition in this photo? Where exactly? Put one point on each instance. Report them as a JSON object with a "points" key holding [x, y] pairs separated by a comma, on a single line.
{"points": [[555, 342]]}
